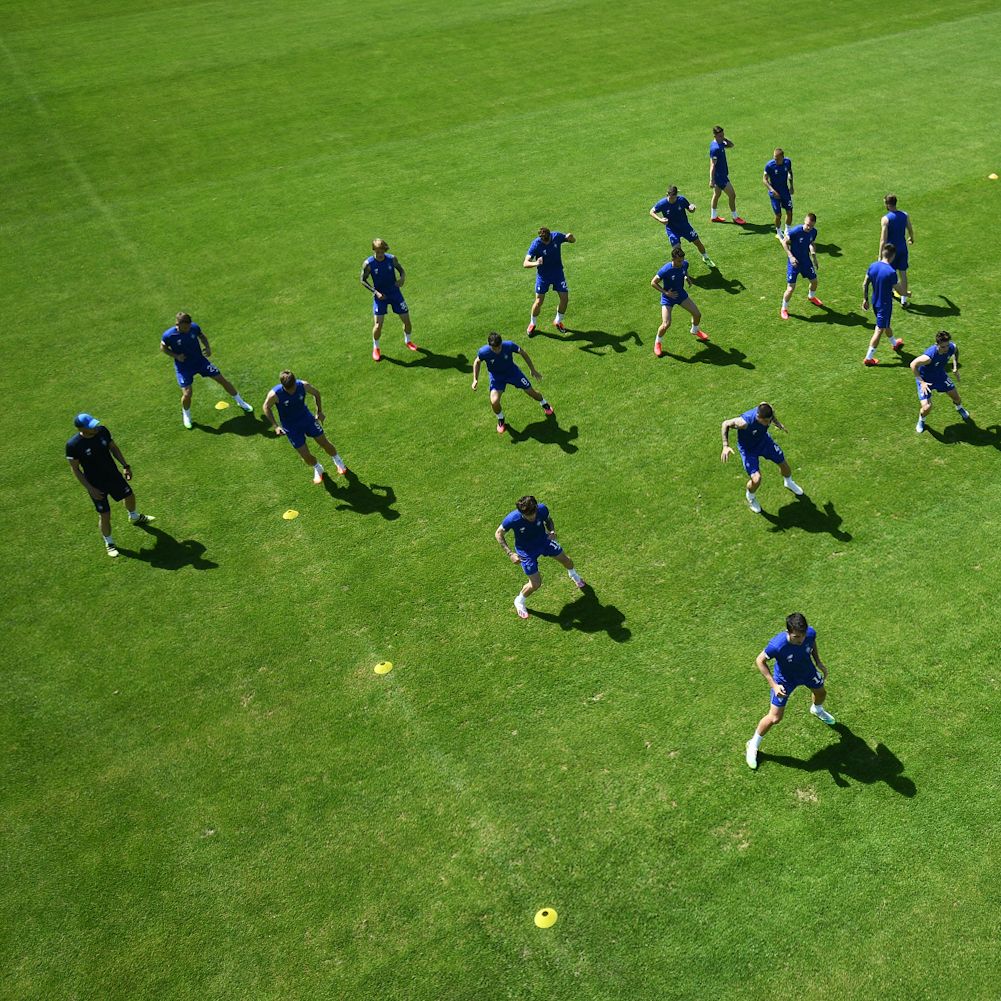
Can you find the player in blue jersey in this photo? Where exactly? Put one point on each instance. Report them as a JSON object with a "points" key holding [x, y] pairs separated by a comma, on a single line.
{"points": [[719, 176], [379, 275], [754, 444], [498, 355], [670, 283], [778, 181], [881, 278], [297, 422], [672, 213], [187, 344], [545, 256], [92, 455], [929, 373], [534, 536], [896, 228], [797, 662], [799, 244]]}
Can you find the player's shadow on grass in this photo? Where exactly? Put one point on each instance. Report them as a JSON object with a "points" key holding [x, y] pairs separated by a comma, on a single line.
{"points": [[588, 615], [169, 553], [716, 280], [930, 309], [757, 228], [824, 314], [595, 341], [967, 434], [423, 358], [243, 424], [831, 249], [548, 432], [362, 498], [803, 514], [712, 354], [852, 758]]}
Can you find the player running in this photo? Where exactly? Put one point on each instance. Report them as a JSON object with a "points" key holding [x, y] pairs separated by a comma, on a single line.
{"points": [[672, 211], [754, 444], [382, 268], [896, 228], [188, 346], [297, 423], [881, 277], [92, 453], [498, 355], [797, 662], [719, 176], [670, 283], [799, 244], [929, 373], [545, 255], [777, 179], [534, 536]]}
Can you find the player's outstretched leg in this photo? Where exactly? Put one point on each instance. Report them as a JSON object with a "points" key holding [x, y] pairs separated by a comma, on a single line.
{"points": [[328, 447], [533, 319], [232, 390], [751, 492], [787, 479], [561, 310], [495, 406], [377, 322], [539, 398], [186, 394], [571, 571], [407, 330], [696, 330], [786, 296], [310, 460], [818, 710], [665, 323], [533, 584], [770, 719]]}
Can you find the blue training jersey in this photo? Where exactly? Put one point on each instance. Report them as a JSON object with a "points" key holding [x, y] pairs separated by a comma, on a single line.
{"points": [[672, 278], [718, 151], [778, 175], [551, 267], [792, 659], [383, 273], [677, 213], [529, 536], [896, 229], [499, 362], [883, 277], [936, 367], [752, 437], [800, 241], [183, 344], [292, 409]]}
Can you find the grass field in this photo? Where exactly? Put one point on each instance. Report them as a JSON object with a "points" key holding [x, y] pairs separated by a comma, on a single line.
{"points": [[207, 793]]}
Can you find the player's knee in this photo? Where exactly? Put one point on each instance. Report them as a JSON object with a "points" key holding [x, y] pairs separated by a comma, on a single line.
{"points": [[755, 480]]}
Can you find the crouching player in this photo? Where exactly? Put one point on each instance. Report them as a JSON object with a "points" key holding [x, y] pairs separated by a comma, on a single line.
{"points": [[670, 283], [498, 355], [534, 536], [929, 372], [797, 662]]}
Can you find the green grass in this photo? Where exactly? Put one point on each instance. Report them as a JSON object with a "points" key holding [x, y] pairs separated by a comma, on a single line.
{"points": [[208, 793]]}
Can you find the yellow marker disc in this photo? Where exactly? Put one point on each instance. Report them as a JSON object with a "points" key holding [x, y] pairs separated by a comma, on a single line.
{"points": [[222, 405], [546, 918], [992, 177], [384, 667], [290, 514]]}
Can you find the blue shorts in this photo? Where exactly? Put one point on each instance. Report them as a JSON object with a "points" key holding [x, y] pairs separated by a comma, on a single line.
{"points": [[900, 259], [501, 380], [721, 180], [542, 286], [298, 434], [769, 450], [117, 489], [784, 201], [682, 296], [814, 680], [186, 371], [380, 307], [530, 561], [942, 384], [883, 315], [793, 271], [677, 235]]}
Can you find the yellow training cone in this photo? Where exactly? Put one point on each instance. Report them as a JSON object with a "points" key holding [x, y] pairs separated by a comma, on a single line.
{"points": [[384, 667], [290, 514], [545, 918], [222, 405], [992, 177]]}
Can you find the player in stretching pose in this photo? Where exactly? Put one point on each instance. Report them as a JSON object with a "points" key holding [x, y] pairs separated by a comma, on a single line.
{"points": [[778, 180], [799, 247], [797, 662], [672, 212], [896, 228], [534, 536], [670, 283], [545, 256], [881, 278], [719, 176], [929, 372], [498, 355], [382, 268]]}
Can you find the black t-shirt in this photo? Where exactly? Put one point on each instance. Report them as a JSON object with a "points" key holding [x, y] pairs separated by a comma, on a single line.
{"points": [[94, 455]]}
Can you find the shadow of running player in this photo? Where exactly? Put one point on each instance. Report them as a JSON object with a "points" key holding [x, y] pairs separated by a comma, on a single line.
{"points": [[426, 358], [169, 553], [547, 432], [362, 498], [594, 341], [852, 758], [803, 514], [588, 615]]}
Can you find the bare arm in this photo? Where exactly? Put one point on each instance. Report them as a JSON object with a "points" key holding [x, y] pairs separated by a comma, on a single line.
{"points": [[955, 363], [762, 665], [400, 271], [865, 291], [570, 238], [734, 422], [117, 453], [910, 231], [550, 527], [785, 245], [366, 273], [884, 225], [531, 262], [660, 218], [269, 402], [768, 184], [791, 191], [528, 362], [779, 423], [84, 482], [169, 353], [815, 654], [508, 551], [476, 371], [207, 350], [315, 393]]}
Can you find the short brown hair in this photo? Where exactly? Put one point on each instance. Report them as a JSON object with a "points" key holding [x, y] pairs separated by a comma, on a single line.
{"points": [[527, 504], [890, 200], [677, 252], [286, 376], [812, 216], [182, 317], [765, 410], [494, 339], [545, 231], [380, 244], [889, 250], [717, 130], [943, 337]]}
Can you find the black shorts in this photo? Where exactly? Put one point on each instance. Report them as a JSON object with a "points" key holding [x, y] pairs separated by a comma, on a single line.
{"points": [[117, 489]]}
